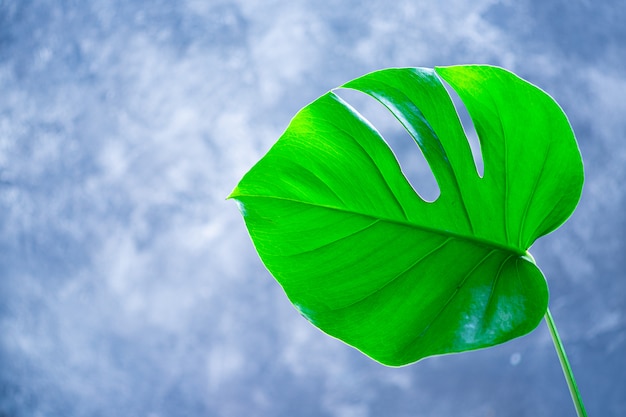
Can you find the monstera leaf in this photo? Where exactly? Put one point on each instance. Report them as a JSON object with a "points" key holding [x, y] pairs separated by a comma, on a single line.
{"points": [[363, 257]]}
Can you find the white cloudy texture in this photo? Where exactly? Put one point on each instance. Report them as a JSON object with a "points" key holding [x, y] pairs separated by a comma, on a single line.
{"points": [[128, 284]]}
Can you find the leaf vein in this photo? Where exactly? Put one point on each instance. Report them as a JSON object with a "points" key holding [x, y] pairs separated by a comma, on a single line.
{"points": [[377, 169], [400, 274], [472, 239], [457, 288]]}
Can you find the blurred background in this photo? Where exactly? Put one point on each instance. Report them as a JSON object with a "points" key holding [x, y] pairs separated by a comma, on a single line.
{"points": [[129, 285]]}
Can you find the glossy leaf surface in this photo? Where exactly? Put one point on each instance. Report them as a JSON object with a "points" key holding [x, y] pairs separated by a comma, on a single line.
{"points": [[368, 261]]}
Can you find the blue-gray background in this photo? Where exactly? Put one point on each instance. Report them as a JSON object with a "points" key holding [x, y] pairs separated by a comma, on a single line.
{"points": [[129, 286]]}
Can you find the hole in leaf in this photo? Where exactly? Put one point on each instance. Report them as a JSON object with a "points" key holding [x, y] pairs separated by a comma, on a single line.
{"points": [[408, 154], [468, 128]]}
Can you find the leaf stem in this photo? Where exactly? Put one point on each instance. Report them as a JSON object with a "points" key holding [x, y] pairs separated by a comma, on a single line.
{"points": [[567, 369]]}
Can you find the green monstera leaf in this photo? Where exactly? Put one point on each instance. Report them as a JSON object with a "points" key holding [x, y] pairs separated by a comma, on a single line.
{"points": [[363, 257]]}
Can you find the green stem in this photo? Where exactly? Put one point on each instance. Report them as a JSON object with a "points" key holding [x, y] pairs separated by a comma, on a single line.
{"points": [[567, 369]]}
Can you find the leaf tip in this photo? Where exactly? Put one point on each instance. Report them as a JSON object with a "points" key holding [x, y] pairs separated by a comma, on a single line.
{"points": [[234, 193]]}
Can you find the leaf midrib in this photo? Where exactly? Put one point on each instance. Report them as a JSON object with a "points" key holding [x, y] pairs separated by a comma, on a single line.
{"points": [[472, 239]]}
